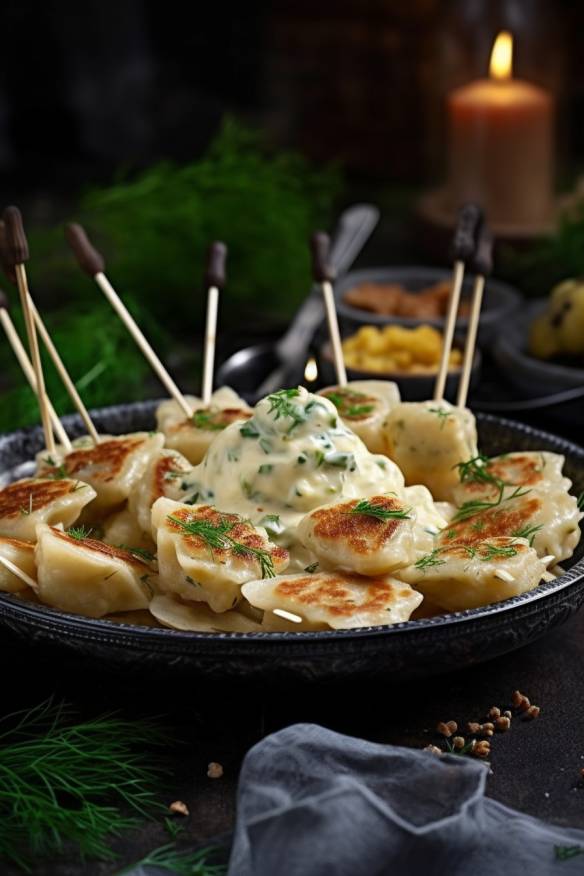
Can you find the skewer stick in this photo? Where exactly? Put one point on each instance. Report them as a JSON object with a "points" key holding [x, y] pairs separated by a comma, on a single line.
{"points": [[469, 218], [482, 265], [324, 274], [16, 570], [24, 362], [214, 281], [92, 262], [64, 375], [17, 255]]}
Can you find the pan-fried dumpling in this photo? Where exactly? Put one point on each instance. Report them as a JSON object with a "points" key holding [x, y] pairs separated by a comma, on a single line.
{"points": [[294, 455], [371, 536], [483, 478], [334, 600], [549, 519], [198, 617], [428, 440], [363, 405], [24, 504], [459, 576], [21, 554], [205, 555], [112, 467], [166, 475], [121, 529], [429, 517], [192, 436], [89, 577]]}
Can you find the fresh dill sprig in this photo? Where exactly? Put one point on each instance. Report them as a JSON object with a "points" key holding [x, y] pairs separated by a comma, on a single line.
{"points": [[181, 863], [281, 405], [79, 533], [364, 506], [205, 419], [141, 553], [528, 532], [60, 473], [477, 506], [216, 537], [430, 560], [442, 415], [312, 568], [476, 471], [249, 430], [460, 752], [65, 782], [173, 827], [564, 853]]}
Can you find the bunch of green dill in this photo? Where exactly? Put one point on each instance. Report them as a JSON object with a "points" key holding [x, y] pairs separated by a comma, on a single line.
{"points": [[67, 785]]}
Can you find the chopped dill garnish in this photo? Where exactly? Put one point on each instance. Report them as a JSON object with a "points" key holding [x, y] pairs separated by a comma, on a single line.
{"points": [[311, 569], [359, 410], [249, 430], [476, 471], [528, 532], [272, 523], [431, 559], [179, 862], [495, 552], [441, 414], [564, 853], [60, 473], [216, 537], [364, 506], [477, 506], [139, 552], [338, 459], [79, 533], [265, 469], [205, 420], [580, 501], [281, 405]]}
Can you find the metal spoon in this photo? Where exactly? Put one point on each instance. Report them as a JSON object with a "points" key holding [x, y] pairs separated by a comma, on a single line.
{"points": [[269, 364]]}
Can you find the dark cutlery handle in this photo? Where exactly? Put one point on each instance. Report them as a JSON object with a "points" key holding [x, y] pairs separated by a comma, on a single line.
{"points": [[215, 273], [469, 221], [322, 270], [7, 267], [482, 261]]}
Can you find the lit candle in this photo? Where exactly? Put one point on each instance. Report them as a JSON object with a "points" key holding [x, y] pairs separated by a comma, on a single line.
{"points": [[501, 145]]}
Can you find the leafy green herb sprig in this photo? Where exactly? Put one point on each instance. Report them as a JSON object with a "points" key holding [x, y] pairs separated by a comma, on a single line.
{"points": [[65, 782], [216, 537], [181, 863], [380, 512]]}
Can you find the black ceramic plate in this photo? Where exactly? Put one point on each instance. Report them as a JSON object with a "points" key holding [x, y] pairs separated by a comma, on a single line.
{"points": [[405, 650]]}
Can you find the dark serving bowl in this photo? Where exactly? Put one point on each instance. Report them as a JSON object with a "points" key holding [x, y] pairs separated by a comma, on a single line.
{"points": [[499, 302], [410, 649]]}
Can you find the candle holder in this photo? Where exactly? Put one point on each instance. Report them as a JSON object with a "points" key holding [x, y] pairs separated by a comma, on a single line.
{"points": [[499, 124]]}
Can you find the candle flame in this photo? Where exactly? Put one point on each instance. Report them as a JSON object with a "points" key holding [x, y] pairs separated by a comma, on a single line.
{"points": [[311, 370], [501, 66]]}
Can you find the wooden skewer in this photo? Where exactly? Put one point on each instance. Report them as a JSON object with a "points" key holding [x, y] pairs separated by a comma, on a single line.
{"points": [[324, 274], [17, 255], [64, 375], [214, 281], [16, 570], [463, 246], [287, 615], [482, 265], [92, 262], [25, 364]]}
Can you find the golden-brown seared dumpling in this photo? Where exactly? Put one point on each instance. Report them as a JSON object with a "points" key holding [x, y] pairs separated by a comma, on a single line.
{"points": [[192, 436], [372, 536], [112, 467], [24, 504], [484, 478], [459, 576], [549, 519], [172, 612], [21, 554], [205, 555], [428, 440], [334, 600], [89, 577], [165, 475], [363, 405]]}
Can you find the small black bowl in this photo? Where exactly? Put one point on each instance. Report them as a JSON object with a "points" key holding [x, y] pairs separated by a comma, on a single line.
{"points": [[499, 303]]}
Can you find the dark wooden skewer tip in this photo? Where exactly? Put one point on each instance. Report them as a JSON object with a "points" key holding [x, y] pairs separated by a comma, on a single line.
{"points": [[15, 242], [90, 260], [6, 267], [215, 271], [464, 242], [322, 270], [482, 262]]}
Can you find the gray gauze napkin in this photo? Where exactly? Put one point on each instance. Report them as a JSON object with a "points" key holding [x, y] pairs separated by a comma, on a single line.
{"points": [[311, 801]]}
